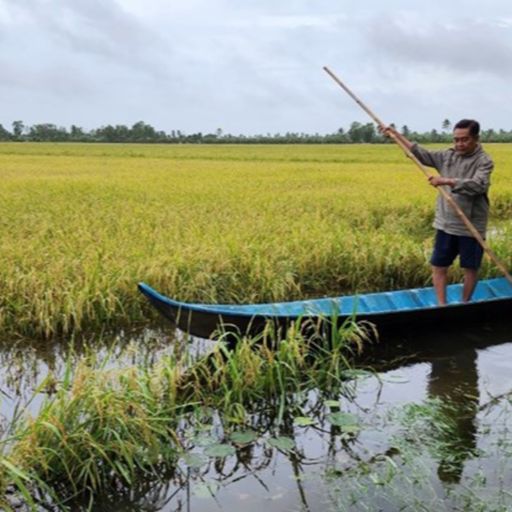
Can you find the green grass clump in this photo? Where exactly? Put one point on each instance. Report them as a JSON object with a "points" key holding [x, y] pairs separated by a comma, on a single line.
{"points": [[104, 427]]}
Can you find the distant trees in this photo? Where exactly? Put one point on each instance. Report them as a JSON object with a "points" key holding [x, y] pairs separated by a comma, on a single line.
{"points": [[435, 136], [109, 133], [362, 132], [141, 132], [488, 135], [47, 132], [4, 134], [76, 133], [17, 129]]}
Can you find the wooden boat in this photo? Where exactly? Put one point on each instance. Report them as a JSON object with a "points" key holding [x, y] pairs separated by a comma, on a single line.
{"points": [[401, 309]]}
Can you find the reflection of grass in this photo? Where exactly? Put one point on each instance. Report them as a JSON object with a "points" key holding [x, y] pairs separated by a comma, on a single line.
{"points": [[404, 476], [81, 224], [106, 427]]}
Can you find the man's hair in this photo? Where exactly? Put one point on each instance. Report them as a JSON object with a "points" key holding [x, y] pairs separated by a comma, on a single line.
{"points": [[474, 126]]}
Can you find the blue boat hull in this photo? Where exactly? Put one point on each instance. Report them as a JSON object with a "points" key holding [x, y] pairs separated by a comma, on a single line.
{"points": [[387, 311]]}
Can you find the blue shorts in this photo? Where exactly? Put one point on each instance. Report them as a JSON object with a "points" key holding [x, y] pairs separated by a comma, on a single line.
{"points": [[447, 247]]}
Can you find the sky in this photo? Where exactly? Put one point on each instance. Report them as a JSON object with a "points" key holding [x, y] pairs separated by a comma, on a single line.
{"points": [[254, 66]]}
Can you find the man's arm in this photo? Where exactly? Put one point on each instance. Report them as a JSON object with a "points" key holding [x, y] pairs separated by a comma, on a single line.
{"points": [[437, 181], [477, 184], [480, 181], [428, 158]]}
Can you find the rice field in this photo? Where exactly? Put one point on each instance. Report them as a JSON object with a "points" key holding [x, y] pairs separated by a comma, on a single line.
{"points": [[81, 224]]}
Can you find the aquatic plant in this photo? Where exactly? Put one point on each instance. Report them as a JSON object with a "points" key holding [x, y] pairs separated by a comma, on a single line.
{"points": [[420, 466], [105, 426]]}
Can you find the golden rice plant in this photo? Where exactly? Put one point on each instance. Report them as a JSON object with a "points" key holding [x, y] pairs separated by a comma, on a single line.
{"points": [[81, 224]]}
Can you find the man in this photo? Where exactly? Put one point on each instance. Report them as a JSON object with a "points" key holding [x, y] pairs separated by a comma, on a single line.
{"points": [[465, 172]]}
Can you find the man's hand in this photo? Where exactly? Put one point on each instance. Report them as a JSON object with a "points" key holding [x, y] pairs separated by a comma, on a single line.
{"points": [[392, 133], [388, 131], [439, 181]]}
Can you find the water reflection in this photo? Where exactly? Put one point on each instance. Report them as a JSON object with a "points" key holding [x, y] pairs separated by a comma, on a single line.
{"points": [[26, 363], [181, 487], [454, 381], [262, 476], [423, 346]]}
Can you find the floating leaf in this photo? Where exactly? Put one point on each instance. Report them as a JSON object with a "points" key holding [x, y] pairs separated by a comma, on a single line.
{"points": [[285, 444], [347, 422], [204, 440], [351, 429], [245, 437], [357, 374], [194, 460], [220, 450], [204, 490], [303, 421], [332, 404]]}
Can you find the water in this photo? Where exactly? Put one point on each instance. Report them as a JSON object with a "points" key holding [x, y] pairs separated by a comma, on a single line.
{"points": [[464, 373], [435, 420]]}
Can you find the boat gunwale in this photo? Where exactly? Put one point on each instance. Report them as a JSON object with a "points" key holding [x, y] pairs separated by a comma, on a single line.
{"points": [[237, 310]]}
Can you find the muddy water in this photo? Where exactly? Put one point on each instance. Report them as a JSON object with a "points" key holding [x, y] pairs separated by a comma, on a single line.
{"points": [[467, 375]]}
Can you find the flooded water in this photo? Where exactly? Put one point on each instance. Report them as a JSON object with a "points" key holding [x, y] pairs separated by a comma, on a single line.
{"points": [[435, 420]]}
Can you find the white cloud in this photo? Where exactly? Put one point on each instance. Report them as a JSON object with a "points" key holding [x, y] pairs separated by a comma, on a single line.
{"points": [[464, 45], [252, 67]]}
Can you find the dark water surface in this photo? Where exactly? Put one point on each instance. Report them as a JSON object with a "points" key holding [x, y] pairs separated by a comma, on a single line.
{"points": [[400, 458]]}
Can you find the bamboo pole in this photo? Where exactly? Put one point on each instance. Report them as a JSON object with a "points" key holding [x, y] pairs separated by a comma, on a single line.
{"points": [[423, 169]]}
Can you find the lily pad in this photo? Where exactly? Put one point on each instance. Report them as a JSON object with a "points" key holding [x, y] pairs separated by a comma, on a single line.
{"points": [[220, 450], [194, 460], [347, 422], [245, 437], [204, 440], [204, 490], [357, 374], [285, 444], [303, 421]]}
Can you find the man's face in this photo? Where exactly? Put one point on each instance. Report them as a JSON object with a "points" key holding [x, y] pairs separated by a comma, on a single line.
{"points": [[463, 142]]}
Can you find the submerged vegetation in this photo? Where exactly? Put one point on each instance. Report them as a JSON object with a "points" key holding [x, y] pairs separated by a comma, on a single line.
{"points": [[82, 224], [403, 476], [102, 426]]}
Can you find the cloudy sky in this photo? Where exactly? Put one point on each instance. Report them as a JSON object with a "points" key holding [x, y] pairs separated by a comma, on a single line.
{"points": [[254, 66]]}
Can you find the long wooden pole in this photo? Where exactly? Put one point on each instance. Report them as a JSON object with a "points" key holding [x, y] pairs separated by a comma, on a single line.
{"points": [[474, 232]]}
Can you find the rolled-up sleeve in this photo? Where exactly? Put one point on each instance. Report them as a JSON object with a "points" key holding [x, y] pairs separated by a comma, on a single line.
{"points": [[480, 181]]}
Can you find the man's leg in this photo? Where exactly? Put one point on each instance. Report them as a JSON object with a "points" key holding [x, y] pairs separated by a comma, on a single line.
{"points": [[439, 279], [471, 253], [470, 280], [445, 251]]}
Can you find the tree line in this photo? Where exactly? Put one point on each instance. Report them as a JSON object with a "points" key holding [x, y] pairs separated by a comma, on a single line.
{"points": [[142, 132]]}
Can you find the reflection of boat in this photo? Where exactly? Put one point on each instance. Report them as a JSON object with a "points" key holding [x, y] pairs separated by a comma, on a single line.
{"points": [[386, 310], [402, 349]]}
